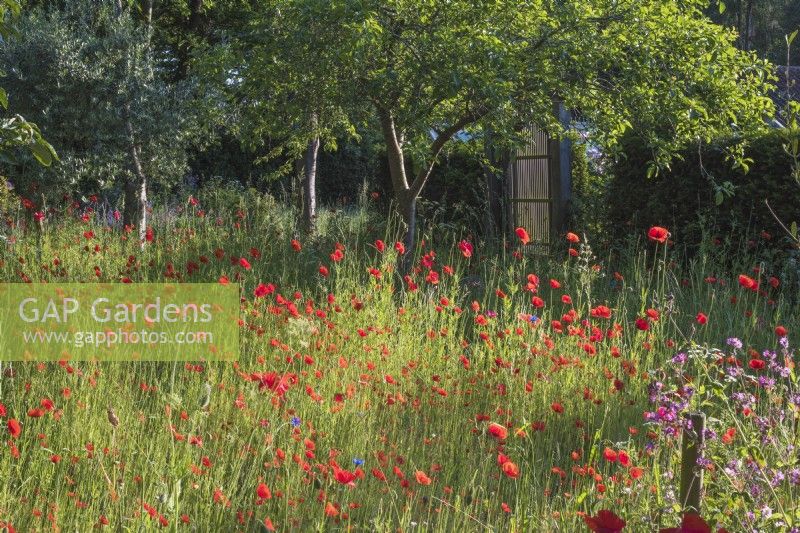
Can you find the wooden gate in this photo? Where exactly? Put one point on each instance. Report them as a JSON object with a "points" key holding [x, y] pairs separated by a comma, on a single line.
{"points": [[534, 188]]}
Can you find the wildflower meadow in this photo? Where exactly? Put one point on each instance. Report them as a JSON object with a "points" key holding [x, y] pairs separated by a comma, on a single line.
{"points": [[399, 266], [484, 390]]}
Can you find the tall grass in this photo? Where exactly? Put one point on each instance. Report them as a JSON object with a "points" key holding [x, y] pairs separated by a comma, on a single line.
{"points": [[380, 376]]}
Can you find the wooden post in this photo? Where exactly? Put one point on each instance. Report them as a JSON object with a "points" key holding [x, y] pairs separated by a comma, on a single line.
{"points": [[691, 473]]}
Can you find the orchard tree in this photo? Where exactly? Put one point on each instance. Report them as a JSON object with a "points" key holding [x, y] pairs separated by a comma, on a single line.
{"points": [[286, 79], [431, 70]]}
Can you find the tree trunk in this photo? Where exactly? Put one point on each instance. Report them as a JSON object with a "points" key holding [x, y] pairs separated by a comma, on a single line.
{"points": [[135, 214], [406, 194], [406, 200], [748, 25], [494, 174], [309, 214]]}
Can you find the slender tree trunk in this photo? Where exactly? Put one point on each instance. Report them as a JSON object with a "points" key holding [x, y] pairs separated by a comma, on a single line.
{"points": [[405, 197], [494, 174], [135, 214], [748, 25], [406, 193], [309, 214]]}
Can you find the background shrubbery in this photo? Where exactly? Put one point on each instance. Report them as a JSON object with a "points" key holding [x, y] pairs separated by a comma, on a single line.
{"points": [[682, 197]]}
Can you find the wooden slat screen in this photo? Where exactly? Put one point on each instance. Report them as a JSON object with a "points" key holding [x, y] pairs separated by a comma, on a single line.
{"points": [[529, 188]]}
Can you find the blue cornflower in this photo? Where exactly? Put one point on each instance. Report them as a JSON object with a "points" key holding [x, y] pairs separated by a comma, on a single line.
{"points": [[295, 421], [357, 461]]}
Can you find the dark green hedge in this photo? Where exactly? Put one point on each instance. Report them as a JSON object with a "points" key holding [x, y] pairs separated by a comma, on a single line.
{"points": [[682, 198]]}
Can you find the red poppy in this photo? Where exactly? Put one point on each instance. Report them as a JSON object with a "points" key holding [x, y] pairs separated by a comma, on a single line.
{"points": [[658, 234], [422, 478], [571, 237], [747, 282], [601, 311], [510, 469], [702, 319], [264, 290], [466, 248], [691, 523], [14, 428], [781, 331], [380, 245], [498, 431], [604, 521], [524, 238], [642, 324], [400, 247], [296, 246], [244, 263], [263, 492]]}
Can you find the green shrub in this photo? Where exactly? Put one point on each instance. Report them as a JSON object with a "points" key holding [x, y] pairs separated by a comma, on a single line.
{"points": [[685, 197]]}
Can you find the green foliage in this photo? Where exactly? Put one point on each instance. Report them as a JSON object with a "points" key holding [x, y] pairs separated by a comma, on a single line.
{"points": [[769, 21], [588, 209], [685, 197], [74, 70], [15, 131]]}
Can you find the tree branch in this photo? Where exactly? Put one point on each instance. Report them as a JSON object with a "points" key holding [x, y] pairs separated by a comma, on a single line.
{"points": [[441, 139]]}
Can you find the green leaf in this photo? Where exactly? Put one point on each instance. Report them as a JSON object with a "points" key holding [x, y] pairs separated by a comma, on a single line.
{"points": [[718, 198], [3, 98], [793, 230], [43, 153], [721, 7], [791, 37]]}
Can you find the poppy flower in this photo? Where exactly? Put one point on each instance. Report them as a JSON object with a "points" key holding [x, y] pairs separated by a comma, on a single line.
{"points": [[263, 290], [658, 234], [601, 311], [690, 523], [331, 510], [380, 245], [400, 247], [702, 319], [524, 238], [14, 428], [747, 282], [642, 324], [604, 521], [781, 331], [296, 246], [510, 469], [422, 478], [610, 455], [571, 237], [244, 263], [498, 431], [263, 492], [466, 248]]}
